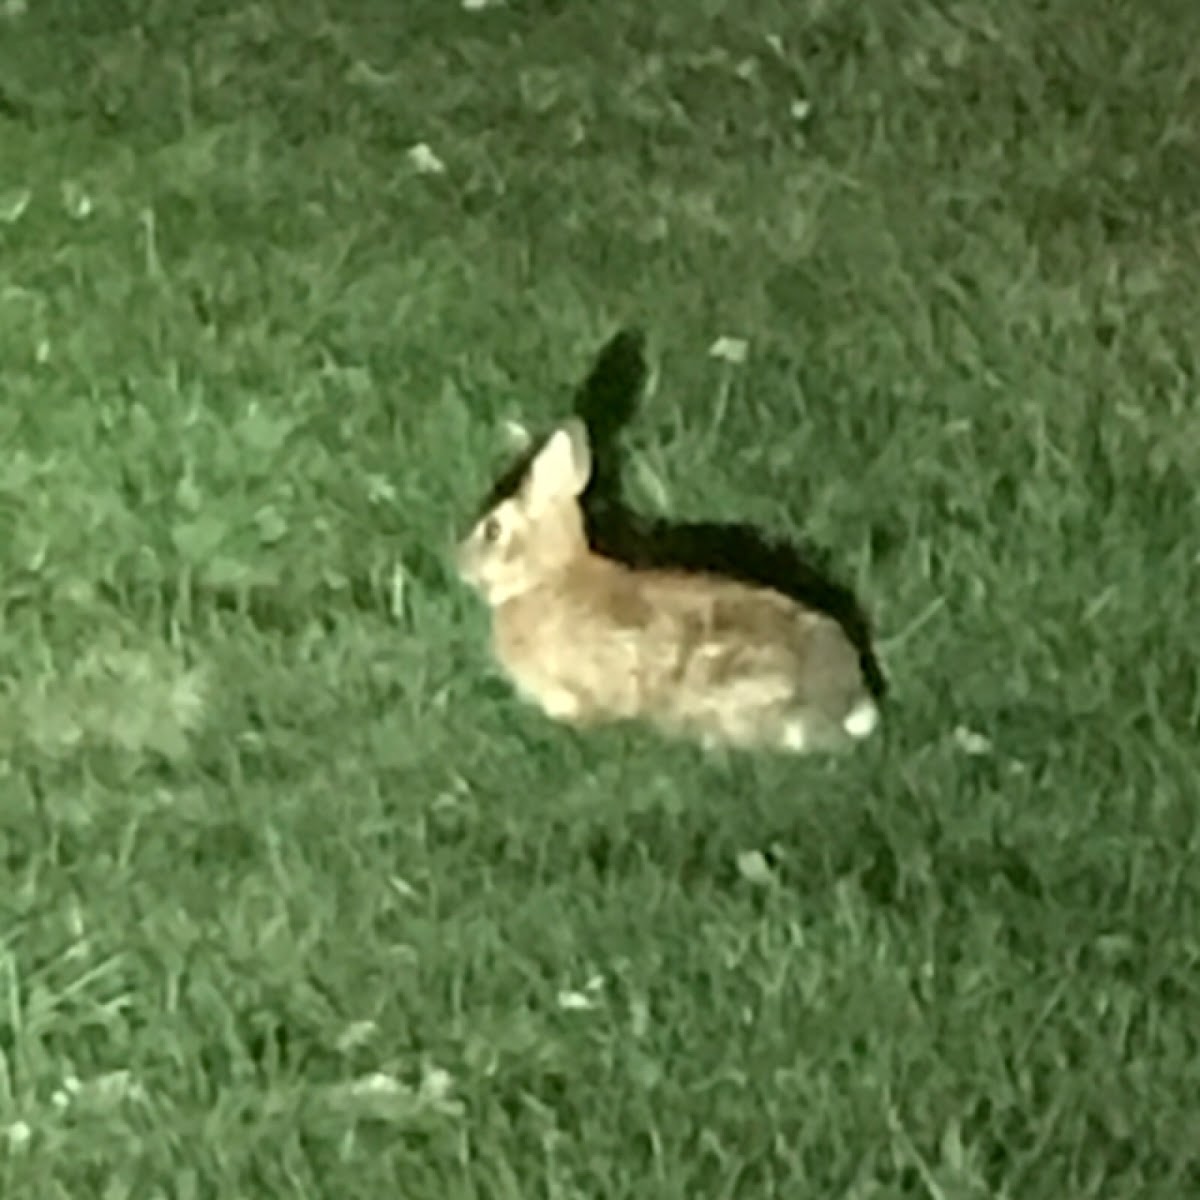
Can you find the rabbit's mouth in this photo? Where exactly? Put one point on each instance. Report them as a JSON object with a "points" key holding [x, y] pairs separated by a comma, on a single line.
{"points": [[489, 584], [494, 585], [498, 591]]}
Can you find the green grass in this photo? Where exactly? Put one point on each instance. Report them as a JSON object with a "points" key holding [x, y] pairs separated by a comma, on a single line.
{"points": [[297, 899]]}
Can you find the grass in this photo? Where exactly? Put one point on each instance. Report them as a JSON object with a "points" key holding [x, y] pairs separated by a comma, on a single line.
{"points": [[297, 899]]}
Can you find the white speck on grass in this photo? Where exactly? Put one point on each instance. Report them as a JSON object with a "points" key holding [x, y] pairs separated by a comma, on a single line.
{"points": [[385, 1097], [364, 74], [13, 204], [754, 868], [271, 524], [19, 1135], [730, 350], [398, 589], [76, 201], [377, 1084], [80, 947], [639, 1016], [575, 1001], [103, 1091], [453, 799], [356, 1034], [480, 5], [402, 887], [800, 110], [61, 1097], [580, 1001], [969, 742], [380, 490], [436, 1086], [424, 161], [517, 434], [114, 1087]]}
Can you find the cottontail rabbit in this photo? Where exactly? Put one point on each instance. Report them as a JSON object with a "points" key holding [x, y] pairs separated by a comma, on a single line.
{"points": [[589, 639]]}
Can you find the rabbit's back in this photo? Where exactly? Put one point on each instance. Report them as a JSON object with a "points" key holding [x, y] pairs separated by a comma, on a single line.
{"points": [[755, 667], [708, 656]]}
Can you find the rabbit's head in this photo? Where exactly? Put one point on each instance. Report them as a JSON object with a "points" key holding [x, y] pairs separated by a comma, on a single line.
{"points": [[537, 532]]}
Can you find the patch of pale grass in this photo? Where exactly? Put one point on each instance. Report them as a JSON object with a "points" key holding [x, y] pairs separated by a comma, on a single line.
{"points": [[137, 699]]}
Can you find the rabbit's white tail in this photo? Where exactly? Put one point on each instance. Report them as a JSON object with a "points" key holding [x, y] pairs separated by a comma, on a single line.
{"points": [[862, 719]]}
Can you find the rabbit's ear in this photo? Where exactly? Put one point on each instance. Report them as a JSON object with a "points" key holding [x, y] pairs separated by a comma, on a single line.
{"points": [[562, 467]]}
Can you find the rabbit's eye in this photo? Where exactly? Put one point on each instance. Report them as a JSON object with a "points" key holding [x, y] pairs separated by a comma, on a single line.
{"points": [[491, 530]]}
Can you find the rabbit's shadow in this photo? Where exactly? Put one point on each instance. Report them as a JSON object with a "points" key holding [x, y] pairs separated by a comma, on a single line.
{"points": [[606, 401]]}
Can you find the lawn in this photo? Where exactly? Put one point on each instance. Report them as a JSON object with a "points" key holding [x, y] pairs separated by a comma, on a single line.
{"points": [[297, 899]]}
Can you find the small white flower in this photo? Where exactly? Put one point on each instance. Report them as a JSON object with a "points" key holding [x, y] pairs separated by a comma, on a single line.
{"points": [[800, 110], [972, 743], [424, 161], [19, 1134], [729, 349]]}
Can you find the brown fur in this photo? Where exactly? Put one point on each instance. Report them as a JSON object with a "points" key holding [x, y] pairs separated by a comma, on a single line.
{"points": [[589, 639]]}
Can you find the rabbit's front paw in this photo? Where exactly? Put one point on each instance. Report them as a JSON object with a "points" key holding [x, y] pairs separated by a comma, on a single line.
{"points": [[561, 705]]}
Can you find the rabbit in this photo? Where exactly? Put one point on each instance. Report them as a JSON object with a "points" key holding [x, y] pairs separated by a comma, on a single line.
{"points": [[590, 640]]}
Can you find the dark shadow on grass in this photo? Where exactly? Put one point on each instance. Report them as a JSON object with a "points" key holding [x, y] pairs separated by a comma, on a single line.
{"points": [[15, 109], [606, 401]]}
